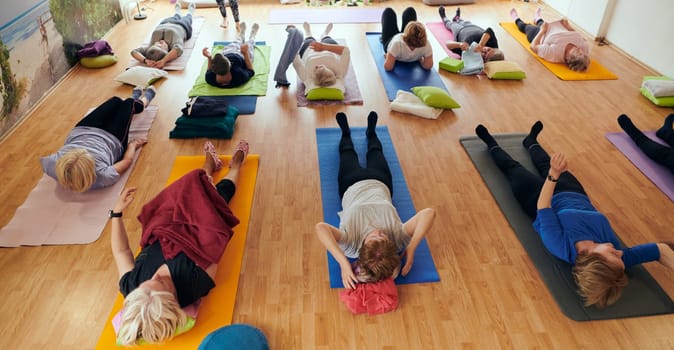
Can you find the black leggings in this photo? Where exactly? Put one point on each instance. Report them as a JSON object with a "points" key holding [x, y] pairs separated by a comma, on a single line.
{"points": [[350, 170], [114, 116], [310, 39], [233, 4], [226, 188], [526, 186], [662, 155], [389, 24], [531, 30]]}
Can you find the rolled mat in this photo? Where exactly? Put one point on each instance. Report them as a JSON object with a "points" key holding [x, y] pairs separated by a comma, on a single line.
{"points": [[423, 269], [217, 308], [405, 75], [642, 296]]}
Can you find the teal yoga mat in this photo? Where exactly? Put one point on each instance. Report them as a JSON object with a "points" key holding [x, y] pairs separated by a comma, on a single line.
{"points": [[642, 296], [423, 269]]}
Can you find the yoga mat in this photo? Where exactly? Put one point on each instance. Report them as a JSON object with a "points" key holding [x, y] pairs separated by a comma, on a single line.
{"points": [[257, 85], [217, 307], [246, 104], [54, 215], [443, 35], [325, 15], [642, 296], [181, 62], [658, 174], [423, 269], [595, 71], [351, 92], [405, 75]]}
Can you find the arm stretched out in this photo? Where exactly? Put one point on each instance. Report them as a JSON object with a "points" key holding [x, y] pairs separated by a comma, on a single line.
{"points": [[119, 240]]}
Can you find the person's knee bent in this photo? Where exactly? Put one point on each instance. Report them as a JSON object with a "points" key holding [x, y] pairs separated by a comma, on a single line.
{"points": [[226, 188]]}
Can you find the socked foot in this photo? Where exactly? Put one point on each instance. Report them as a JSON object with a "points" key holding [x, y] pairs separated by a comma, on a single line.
{"points": [[485, 136]]}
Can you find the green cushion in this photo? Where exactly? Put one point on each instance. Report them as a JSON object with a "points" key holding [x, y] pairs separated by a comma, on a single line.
{"points": [[504, 70], [325, 93], [435, 97], [101, 61], [188, 325], [658, 101], [451, 64]]}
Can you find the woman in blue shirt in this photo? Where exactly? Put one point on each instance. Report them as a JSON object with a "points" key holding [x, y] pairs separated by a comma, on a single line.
{"points": [[569, 225]]}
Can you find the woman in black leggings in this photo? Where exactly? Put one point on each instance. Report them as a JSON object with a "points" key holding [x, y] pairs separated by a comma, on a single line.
{"points": [[370, 228], [660, 154]]}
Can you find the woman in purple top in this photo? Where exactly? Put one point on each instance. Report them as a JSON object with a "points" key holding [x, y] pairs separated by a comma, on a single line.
{"points": [[570, 227], [555, 42]]}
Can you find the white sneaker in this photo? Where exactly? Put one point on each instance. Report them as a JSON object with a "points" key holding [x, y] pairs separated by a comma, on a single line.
{"points": [[253, 31]]}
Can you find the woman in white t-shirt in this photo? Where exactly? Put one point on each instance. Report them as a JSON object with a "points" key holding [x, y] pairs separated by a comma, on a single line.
{"points": [[410, 45], [370, 228], [555, 42]]}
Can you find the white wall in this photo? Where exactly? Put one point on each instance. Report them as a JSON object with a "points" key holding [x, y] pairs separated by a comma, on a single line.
{"points": [[641, 28]]}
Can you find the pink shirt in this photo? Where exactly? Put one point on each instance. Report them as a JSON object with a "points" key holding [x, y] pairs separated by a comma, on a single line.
{"points": [[554, 42]]}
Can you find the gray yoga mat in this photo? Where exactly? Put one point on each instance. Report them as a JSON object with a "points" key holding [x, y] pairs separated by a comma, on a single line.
{"points": [[642, 296]]}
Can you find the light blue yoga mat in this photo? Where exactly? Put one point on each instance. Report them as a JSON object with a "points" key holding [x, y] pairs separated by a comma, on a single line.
{"points": [[405, 75], [423, 269]]}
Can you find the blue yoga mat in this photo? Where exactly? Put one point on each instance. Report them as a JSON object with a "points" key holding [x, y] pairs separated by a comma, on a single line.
{"points": [[244, 103], [423, 269], [405, 75]]}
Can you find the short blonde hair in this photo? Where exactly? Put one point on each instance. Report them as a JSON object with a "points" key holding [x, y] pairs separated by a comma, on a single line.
{"points": [[414, 35], [599, 282], [76, 170], [377, 261], [324, 76], [150, 315]]}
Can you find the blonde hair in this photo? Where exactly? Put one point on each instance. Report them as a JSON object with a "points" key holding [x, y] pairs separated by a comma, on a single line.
{"points": [[599, 282], [578, 63], [324, 76], [76, 170], [151, 315], [414, 35], [377, 261]]}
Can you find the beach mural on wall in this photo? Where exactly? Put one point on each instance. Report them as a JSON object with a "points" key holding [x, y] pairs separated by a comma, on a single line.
{"points": [[38, 42]]}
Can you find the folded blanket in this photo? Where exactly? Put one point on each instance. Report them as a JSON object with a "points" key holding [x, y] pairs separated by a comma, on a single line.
{"points": [[472, 61], [221, 127], [205, 106], [407, 102], [189, 216], [373, 297], [659, 88]]}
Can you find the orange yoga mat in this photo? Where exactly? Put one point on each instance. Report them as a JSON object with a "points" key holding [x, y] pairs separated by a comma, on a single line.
{"points": [[217, 307], [595, 72]]}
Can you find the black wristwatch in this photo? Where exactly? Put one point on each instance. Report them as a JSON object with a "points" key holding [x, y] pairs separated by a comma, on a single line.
{"points": [[145, 60], [549, 178], [115, 215]]}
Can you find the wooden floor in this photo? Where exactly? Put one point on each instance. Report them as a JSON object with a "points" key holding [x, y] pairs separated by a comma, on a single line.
{"points": [[490, 295]]}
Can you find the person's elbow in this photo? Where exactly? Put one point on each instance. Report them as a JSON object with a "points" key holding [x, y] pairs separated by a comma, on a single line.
{"points": [[430, 214]]}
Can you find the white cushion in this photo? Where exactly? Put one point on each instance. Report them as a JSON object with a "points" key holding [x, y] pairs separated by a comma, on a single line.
{"points": [[141, 76]]}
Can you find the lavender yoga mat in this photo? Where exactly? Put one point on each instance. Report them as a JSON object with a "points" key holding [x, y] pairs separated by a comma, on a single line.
{"points": [[351, 94], [321, 15], [442, 35], [53, 215], [658, 174]]}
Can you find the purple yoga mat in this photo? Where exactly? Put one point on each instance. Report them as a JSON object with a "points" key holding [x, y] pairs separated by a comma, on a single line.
{"points": [[325, 15], [658, 174], [442, 34]]}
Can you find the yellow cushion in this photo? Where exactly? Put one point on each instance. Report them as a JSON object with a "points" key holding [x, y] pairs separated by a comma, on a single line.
{"points": [[504, 70]]}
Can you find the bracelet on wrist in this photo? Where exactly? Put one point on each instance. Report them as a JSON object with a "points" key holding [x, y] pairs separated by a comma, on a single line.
{"points": [[552, 179]]}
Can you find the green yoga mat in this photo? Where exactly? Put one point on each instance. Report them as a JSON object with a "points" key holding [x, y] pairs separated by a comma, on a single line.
{"points": [[642, 296], [257, 85]]}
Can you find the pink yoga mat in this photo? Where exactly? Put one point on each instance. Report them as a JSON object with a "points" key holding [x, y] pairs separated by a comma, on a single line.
{"points": [[442, 35], [53, 215], [325, 15], [658, 174]]}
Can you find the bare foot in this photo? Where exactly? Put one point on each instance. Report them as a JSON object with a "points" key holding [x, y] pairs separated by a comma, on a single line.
{"points": [[225, 23]]}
